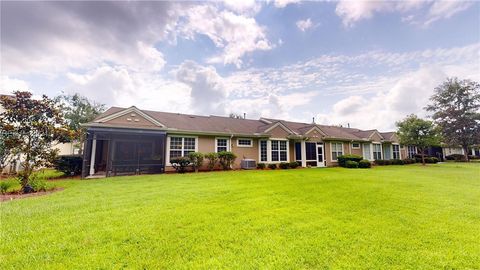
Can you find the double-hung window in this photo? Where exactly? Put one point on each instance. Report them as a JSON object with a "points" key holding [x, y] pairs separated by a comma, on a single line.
{"points": [[337, 150], [279, 150], [263, 151], [412, 151], [377, 151], [396, 151], [221, 144], [181, 146]]}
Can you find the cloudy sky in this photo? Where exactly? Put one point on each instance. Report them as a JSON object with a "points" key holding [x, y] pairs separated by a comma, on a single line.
{"points": [[364, 63]]}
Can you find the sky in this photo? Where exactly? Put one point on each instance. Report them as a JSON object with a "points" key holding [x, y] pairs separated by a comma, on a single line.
{"points": [[363, 63]]}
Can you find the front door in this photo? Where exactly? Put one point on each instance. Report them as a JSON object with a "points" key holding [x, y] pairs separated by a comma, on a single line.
{"points": [[320, 155]]}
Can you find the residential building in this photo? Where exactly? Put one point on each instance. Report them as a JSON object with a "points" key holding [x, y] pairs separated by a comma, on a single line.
{"points": [[133, 141]]}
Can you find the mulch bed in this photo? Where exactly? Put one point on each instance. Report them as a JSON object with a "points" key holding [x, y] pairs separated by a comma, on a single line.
{"points": [[16, 195]]}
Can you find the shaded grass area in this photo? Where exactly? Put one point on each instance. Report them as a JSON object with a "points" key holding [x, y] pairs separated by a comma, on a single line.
{"points": [[386, 217]]}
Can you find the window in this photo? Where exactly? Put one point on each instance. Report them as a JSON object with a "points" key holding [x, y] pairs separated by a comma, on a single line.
{"points": [[181, 147], [366, 151], [337, 150], [298, 151], [377, 151], [355, 145], [396, 151], [311, 151], [244, 143], [221, 145], [279, 150], [263, 151], [412, 151]]}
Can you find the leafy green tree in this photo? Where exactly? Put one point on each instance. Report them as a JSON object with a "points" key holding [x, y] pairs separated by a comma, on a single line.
{"points": [[456, 110], [4, 153], [79, 110], [418, 132], [30, 127], [212, 160], [196, 160]]}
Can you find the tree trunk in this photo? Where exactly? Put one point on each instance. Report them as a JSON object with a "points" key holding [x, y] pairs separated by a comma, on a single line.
{"points": [[423, 158], [465, 151]]}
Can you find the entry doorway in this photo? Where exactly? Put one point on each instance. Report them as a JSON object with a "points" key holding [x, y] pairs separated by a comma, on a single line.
{"points": [[315, 154], [320, 155]]}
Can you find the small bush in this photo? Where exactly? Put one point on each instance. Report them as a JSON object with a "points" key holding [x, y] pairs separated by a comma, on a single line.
{"points": [[294, 164], [379, 162], [284, 165], [272, 166], [37, 184], [212, 160], [4, 186], [196, 160], [180, 164], [456, 157], [364, 164], [409, 161], [397, 162], [226, 159], [344, 158], [473, 157], [261, 166], [69, 165], [351, 164]]}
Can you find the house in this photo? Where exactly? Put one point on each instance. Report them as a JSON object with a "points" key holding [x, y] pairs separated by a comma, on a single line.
{"points": [[133, 141]]}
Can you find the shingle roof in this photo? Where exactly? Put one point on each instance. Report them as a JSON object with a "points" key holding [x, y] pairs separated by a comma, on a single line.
{"points": [[220, 124]]}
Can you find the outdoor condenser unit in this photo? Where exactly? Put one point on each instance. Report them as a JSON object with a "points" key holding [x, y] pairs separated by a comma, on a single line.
{"points": [[248, 164]]}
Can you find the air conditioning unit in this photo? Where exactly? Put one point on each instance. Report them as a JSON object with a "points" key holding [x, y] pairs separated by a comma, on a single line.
{"points": [[248, 164]]}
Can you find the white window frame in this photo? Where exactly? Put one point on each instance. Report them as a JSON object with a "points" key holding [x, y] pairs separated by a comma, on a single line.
{"points": [[399, 151], [241, 145], [269, 150], [414, 150], [353, 147], [167, 158], [381, 150], [331, 151], [222, 138]]}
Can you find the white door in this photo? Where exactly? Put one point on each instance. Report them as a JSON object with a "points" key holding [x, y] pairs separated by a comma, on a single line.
{"points": [[320, 155]]}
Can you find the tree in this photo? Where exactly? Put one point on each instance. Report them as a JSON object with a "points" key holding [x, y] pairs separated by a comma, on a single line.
{"points": [[418, 132], [456, 110], [30, 127], [235, 116], [4, 153], [79, 110], [196, 160]]}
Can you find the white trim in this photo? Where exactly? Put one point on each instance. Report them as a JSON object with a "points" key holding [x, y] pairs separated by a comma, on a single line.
{"points": [[331, 151], [92, 155], [370, 150], [265, 120], [132, 109], [223, 138], [282, 126], [167, 156], [269, 151], [399, 151], [381, 150], [316, 128], [376, 131], [303, 153], [321, 164], [251, 142]]}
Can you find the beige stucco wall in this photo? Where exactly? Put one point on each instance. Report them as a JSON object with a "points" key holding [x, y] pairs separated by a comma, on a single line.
{"points": [[376, 137], [278, 132], [358, 151], [244, 152]]}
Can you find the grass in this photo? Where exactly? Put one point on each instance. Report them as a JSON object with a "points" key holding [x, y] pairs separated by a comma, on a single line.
{"points": [[43, 174], [401, 217]]}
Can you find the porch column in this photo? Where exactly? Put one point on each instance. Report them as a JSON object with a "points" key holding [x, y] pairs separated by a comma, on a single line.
{"points": [[304, 153], [92, 156]]}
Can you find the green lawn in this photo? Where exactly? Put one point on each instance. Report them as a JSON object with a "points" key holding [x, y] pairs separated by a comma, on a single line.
{"points": [[403, 217]]}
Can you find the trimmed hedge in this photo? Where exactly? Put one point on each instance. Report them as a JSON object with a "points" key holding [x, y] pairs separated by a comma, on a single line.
{"points": [[351, 164], [456, 157], [364, 164], [284, 165], [272, 166], [294, 164], [261, 166], [349, 157], [69, 165]]}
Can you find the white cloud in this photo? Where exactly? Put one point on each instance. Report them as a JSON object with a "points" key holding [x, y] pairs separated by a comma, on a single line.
{"points": [[236, 35], [284, 3], [304, 25], [244, 6], [8, 85], [423, 12]]}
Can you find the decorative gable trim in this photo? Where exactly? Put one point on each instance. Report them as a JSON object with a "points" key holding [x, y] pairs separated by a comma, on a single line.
{"points": [[279, 124], [376, 132], [132, 109], [317, 129]]}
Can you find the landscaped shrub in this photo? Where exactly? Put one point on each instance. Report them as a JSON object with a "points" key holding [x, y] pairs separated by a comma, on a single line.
{"points": [[344, 158], [397, 162], [69, 165], [272, 166], [379, 162], [212, 160], [473, 157], [37, 184], [364, 164], [351, 164], [456, 157], [196, 160], [226, 159], [409, 161], [284, 165], [261, 166], [180, 164], [294, 164], [4, 186]]}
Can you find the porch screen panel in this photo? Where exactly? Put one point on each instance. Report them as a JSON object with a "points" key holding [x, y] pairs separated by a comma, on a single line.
{"points": [[311, 151], [298, 151]]}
